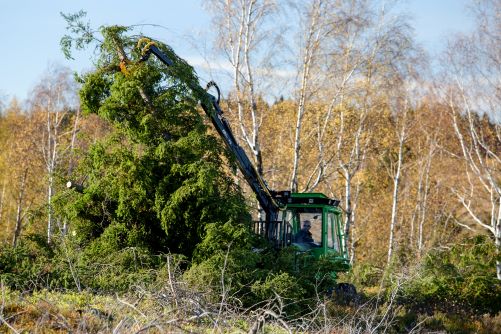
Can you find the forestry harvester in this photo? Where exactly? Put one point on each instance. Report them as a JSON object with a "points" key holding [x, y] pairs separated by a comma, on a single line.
{"points": [[285, 211]]}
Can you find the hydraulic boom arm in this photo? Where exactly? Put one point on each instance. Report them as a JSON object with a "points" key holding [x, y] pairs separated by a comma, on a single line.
{"points": [[210, 105]]}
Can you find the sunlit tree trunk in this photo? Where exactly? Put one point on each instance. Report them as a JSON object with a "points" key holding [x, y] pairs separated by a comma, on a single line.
{"points": [[497, 234], [403, 126], [53, 122], [394, 203], [19, 212], [348, 210]]}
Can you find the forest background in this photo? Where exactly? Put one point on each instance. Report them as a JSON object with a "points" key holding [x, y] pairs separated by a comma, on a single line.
{"points": [[411, 150]]}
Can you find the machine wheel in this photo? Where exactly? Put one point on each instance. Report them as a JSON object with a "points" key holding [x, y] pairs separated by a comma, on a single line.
{"points": [[346, 294]]}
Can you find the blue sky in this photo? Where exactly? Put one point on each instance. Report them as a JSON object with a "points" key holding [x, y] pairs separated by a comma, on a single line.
{"points": [[30, 31], [433, 20]]}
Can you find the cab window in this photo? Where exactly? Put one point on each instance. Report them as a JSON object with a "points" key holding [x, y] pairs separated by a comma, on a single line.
{"points": [[332, 231]]}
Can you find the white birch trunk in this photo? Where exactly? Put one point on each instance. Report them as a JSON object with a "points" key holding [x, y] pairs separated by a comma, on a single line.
{"points": [[396, 183], [497, 238], [52, 155], [348, 208], [498, 247], [353, 227], [50, 193]]}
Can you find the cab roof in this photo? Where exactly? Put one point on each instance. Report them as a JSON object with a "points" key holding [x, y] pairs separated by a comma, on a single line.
{"points": [[287, 197]]}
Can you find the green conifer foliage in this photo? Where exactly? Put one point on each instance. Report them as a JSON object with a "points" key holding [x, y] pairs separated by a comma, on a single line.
{"points": [[158, 179]]}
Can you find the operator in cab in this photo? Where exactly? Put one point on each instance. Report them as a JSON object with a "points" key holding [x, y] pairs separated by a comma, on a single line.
{"points": [[304, 235]]}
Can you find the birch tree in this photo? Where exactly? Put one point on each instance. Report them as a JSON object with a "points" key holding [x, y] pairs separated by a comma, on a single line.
{"points": [[55, 98], [312, 34], [424, 166], [370, 46], [247, 44], [402, 97], [473, 65], [402, 134], [347, 24]]}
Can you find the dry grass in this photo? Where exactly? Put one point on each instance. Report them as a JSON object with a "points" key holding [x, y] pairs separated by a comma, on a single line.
{"points": [[171, 306], [138, 312]]}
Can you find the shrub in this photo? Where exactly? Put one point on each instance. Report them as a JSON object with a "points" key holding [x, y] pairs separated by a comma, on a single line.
{"points": [[460, 280], [26, 265]]}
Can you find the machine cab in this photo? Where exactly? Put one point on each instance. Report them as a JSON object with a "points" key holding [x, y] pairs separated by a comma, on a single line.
{"points": [[315, 224], [310, 222]]}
